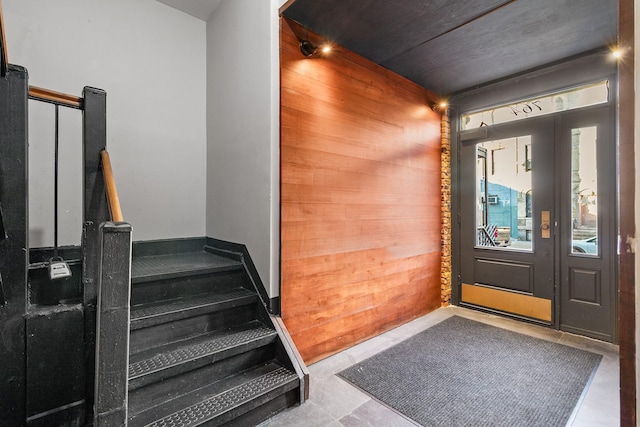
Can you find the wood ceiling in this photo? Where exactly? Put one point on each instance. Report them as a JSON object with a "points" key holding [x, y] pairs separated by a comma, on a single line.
{"points": [[449, 46]]}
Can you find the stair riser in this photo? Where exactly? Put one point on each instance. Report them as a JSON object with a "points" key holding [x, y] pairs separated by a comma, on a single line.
{"points": [[184, 309], [143, 339], [282, 356], [159, 290], [187, 366], [160, 392]]}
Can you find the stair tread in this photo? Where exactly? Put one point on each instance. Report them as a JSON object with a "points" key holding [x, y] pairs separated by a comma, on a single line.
{"points": [[155, 267], [152, 313], [177, 353], [219, 398]]}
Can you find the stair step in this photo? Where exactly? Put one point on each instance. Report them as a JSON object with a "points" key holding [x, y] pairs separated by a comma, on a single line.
{"points": [[221, 401], [161, 267], [175, 358], [155, 394], [156, 313], [202, 349]]}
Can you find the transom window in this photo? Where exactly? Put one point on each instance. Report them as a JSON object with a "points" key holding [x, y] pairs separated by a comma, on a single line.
{"points": [[583, 96]]}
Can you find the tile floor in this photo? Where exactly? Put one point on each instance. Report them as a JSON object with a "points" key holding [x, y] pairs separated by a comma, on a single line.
{"points": [[335, 403]]}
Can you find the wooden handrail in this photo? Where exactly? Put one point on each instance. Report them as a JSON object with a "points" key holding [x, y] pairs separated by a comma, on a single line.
{"points": [[110, 184], [59, 98], [4, 60]]}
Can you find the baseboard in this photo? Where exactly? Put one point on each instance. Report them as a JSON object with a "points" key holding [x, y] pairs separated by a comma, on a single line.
{"points": [[167, 246], [239, 250], [274, 306]]}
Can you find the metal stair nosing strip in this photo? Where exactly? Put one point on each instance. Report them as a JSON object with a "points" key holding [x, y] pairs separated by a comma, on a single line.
{"points": [[182, 359], [228, 400]]}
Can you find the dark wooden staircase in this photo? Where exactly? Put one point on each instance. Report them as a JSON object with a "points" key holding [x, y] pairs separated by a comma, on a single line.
{"points": [[187, 341], [203, 348]]}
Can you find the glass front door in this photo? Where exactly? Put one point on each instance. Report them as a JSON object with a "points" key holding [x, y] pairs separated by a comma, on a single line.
{"points": [[507, 203]]}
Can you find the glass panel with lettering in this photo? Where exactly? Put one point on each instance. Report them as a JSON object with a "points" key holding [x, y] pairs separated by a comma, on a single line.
{"points": [[503, 194], [583, 96], [584, 191]]}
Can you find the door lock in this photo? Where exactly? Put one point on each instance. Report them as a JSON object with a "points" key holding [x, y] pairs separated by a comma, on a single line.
{"points": [[545, 224]]}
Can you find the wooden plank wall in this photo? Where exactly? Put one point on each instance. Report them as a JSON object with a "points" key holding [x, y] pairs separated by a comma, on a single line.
{"points": [[360, 199]]}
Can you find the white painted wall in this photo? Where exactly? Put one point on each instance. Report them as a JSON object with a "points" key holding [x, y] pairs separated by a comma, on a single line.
{"points": [[243, 201], [151, 61]]}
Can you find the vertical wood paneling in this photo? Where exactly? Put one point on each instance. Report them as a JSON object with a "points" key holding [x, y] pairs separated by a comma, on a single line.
{"points": [[360, 199]]}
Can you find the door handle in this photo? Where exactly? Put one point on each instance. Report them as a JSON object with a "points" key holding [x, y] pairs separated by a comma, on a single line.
{"points": [[545, 224]]}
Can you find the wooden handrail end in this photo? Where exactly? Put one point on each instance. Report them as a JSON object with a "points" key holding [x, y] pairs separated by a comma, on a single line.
{"points": [[110, 186], [3, 44]]}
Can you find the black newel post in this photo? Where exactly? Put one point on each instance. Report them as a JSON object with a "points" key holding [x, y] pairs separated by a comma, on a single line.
{"points": [[94, 132], [14, 250]]}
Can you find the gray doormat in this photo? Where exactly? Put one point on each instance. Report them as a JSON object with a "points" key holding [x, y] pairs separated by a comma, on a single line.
{"points": [[465, 373]]}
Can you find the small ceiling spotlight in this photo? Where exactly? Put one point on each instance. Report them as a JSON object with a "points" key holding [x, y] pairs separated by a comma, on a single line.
{"points": [[442, 105], [308, 49], [616, 51]]}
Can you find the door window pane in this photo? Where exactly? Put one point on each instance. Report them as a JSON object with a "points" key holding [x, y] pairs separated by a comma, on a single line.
{"points": [[504, 194], [584, 191]]}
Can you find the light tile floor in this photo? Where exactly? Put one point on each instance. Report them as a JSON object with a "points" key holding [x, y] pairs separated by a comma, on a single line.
{"points": [[335, 403]]}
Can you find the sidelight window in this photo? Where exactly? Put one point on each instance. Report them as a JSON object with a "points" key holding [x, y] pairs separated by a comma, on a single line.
{"points": [[584, 191]]}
